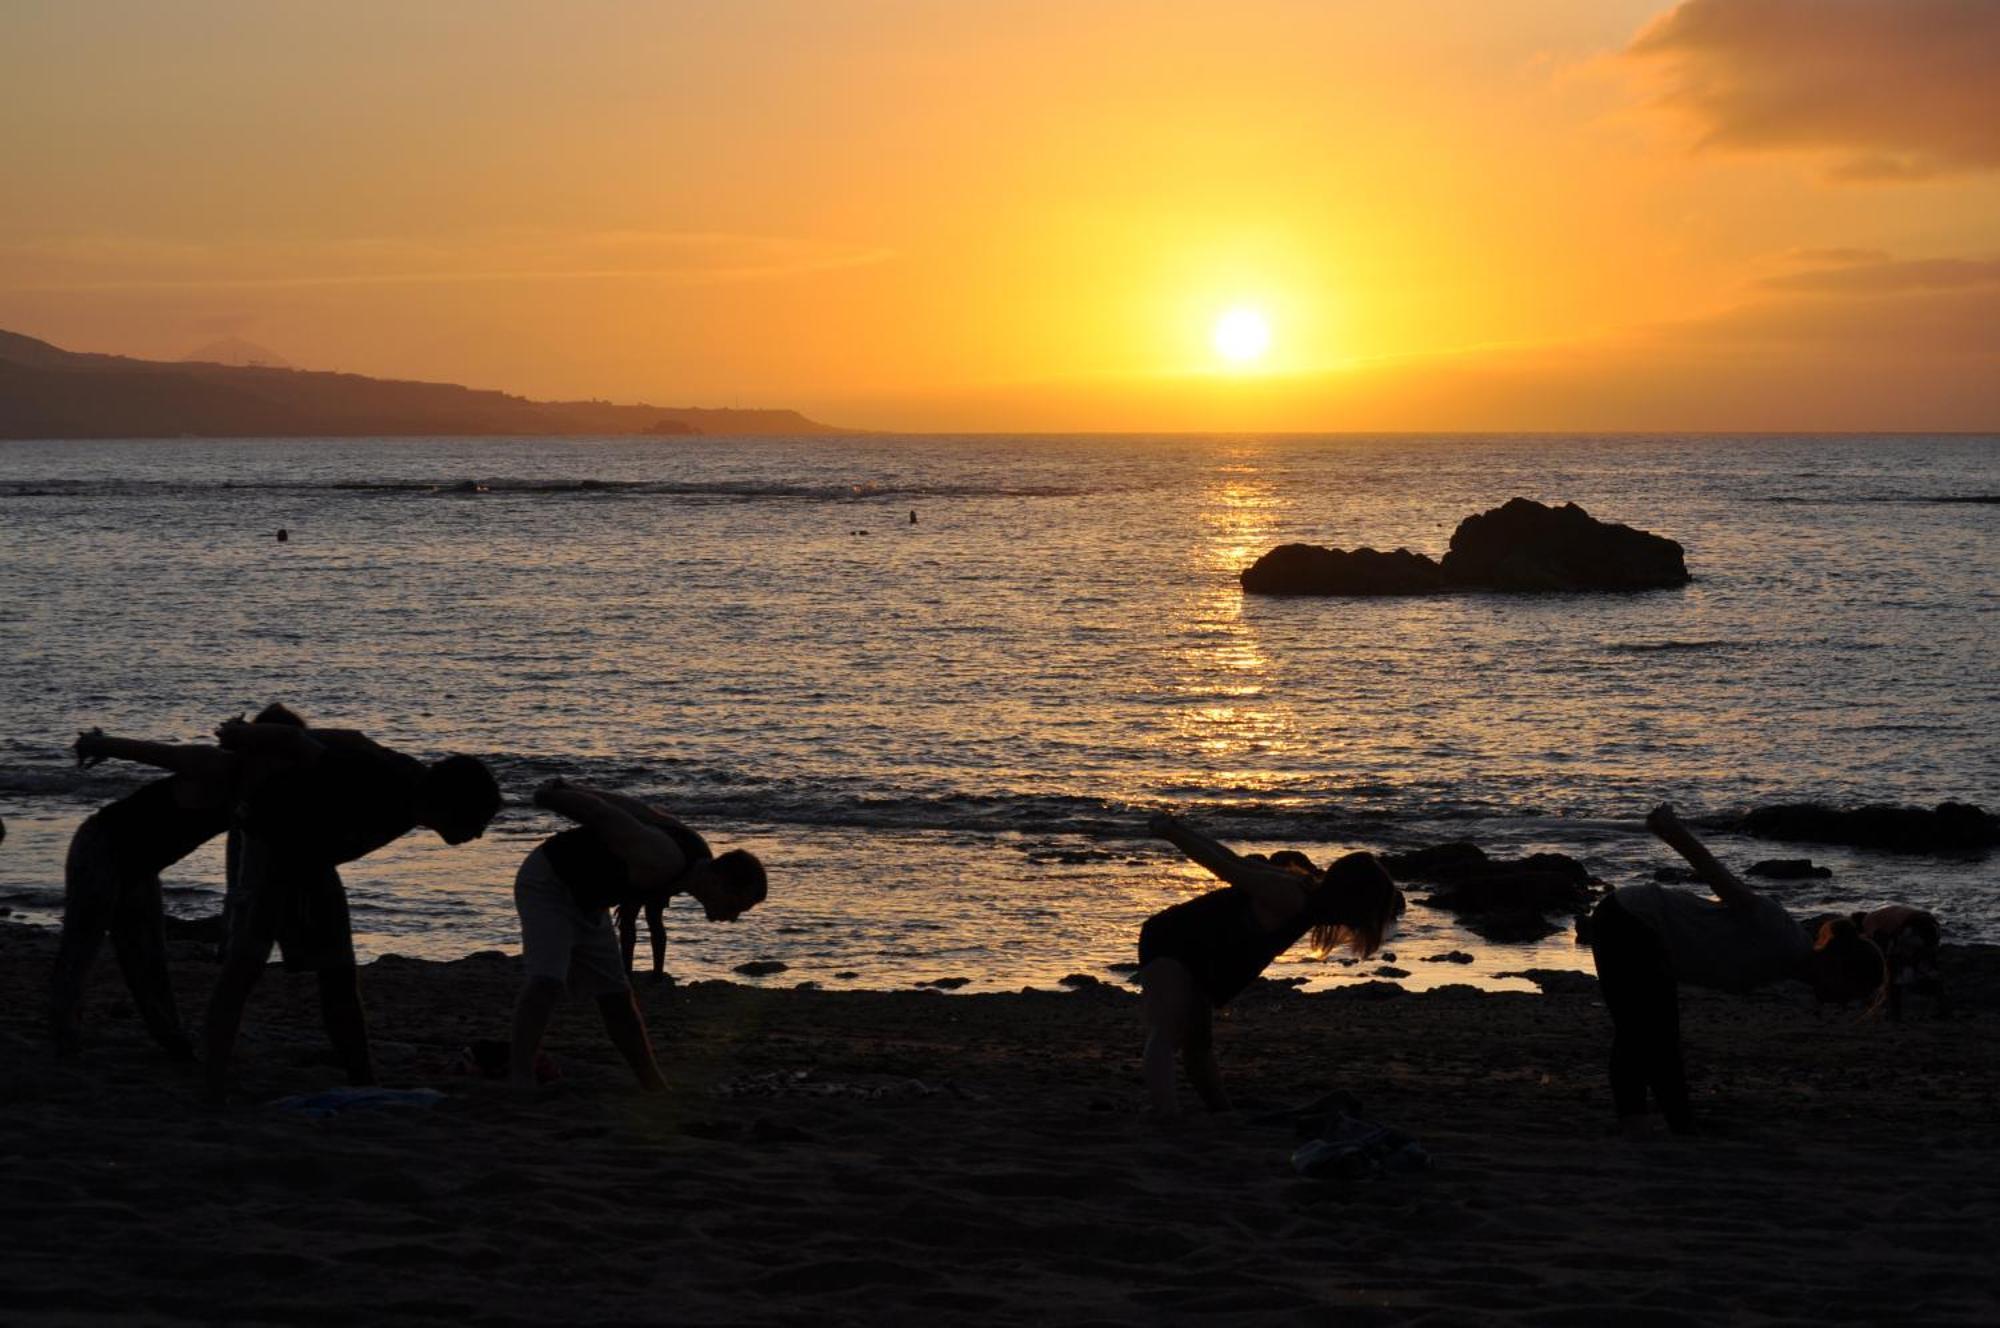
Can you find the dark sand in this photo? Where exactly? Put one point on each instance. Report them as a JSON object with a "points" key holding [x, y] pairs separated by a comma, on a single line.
{"points": [[840, 1158]]}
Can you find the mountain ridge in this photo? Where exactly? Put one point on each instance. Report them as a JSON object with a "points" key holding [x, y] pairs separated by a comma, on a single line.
{"points": [[49, 392]]}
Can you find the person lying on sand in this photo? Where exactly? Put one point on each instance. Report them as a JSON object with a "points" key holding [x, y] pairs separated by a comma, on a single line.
{"points": [[111, 878], [298, 826], [621, 853], [1647, 939], [1197, 955]]}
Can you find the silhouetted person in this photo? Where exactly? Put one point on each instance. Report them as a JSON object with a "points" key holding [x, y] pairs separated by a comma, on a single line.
{"points": [[622, 853], [1908, 938], [111, 878], [298, 827], [1648, 939], [913, 516], [1196, 956]]}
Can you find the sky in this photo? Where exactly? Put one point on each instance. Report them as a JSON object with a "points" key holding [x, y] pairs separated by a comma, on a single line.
{"points": [[1001, 215]]}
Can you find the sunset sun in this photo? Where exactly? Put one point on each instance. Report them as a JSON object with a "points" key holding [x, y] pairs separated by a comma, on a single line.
{"points": [[1242, 336]]}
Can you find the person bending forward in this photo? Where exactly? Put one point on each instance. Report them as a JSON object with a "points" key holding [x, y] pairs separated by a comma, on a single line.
{"points": [[1647, 940], [1196, 956], [621, 854]]}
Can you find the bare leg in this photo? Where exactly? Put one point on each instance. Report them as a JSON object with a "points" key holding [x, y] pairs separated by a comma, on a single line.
{"points": [[627, 1028], [346, 1023], [532, 1012], [1198, 1055], [240, 972], [139, 937], [1169, 997], [90, 893], [252, 914]]}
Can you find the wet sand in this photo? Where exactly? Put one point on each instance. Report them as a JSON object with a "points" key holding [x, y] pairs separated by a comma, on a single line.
{"points": [[848, 1157]]}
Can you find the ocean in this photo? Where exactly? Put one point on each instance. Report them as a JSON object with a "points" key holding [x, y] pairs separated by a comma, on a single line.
{"points": [[938, 683]]}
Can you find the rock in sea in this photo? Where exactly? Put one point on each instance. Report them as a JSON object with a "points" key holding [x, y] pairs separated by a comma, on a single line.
{"points": [[1523, 546], [1950, 827], [1529, 547], [1308, 569]]}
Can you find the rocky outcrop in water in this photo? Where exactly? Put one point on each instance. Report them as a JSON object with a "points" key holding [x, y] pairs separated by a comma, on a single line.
{"points": [[1501, 899], [1789, 869], [1949, 827], [1528, 547], [1308, 569], [1523, 546]]}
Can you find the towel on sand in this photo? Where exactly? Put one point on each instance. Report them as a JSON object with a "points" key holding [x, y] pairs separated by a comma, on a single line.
{"points": [[334, 1101]]}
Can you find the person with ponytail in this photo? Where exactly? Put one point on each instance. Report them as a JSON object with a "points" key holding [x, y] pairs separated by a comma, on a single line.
{"points": [[1648, 939], [1197, 955]]}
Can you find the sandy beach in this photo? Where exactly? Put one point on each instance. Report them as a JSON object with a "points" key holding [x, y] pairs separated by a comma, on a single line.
{"points": [[852, 1157]]}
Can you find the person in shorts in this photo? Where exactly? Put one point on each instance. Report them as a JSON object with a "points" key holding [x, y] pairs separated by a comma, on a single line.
{"points": [[297, 827], [622, 853]]}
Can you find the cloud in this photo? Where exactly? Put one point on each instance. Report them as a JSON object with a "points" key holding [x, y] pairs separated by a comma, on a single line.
{"points": [[137, 263], [1884, 276], [1892, 89]]}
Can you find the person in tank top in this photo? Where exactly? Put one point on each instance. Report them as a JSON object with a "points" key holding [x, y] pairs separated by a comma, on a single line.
{"points": [[1195, 956], [1649, 939], [622, 854]]}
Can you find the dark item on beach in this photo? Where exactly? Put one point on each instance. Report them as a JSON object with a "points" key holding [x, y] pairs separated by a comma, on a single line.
{"points": [[1789, 869], [489, 1058], [1522, 547], [1950, 827], [360, 1097], [1349, 1148], [283, 535]]}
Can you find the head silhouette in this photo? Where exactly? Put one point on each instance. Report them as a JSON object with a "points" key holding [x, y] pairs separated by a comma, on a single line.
{"points": [[458, 798], [1353, 905]]}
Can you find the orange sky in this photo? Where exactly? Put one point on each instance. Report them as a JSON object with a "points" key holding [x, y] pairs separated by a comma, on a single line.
{"points": [[954, 214]]}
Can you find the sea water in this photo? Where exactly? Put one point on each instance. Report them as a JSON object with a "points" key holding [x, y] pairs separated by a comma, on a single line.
{"points": [[938, 683]]}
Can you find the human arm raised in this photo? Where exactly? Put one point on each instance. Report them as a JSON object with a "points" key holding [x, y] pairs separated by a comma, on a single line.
{"points": [[1728, 886], [1276, 894], [201, 761], [280, 742], [650, 855]]}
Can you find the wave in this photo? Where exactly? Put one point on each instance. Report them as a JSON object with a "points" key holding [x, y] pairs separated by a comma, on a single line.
{"points": [[1368, 811], [716, 490], [1660, 647]]}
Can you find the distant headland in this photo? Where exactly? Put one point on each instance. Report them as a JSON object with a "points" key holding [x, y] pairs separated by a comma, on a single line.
{"points": [[48, 392]]}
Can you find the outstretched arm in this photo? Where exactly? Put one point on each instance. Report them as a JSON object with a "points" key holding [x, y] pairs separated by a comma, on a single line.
{"points": [[643, 812], [656, 932], [182, 759], [1277, 895], [650, 855], [278, 742], [1728, 886]]}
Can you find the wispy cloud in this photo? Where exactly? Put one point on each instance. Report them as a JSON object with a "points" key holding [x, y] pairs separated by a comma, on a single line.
{"points": [[1885, 276], [1891, 89]]}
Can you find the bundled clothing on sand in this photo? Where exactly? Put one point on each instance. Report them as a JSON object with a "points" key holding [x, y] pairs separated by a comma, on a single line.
{"points": [[1648, 939]]}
